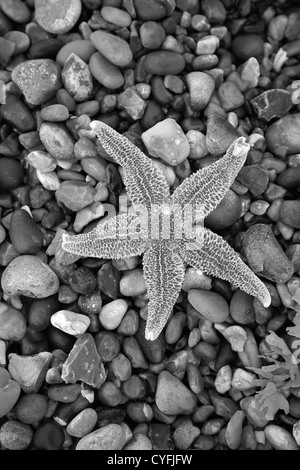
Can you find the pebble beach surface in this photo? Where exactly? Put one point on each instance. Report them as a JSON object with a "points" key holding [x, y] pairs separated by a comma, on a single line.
{"points": [[181, 79]]}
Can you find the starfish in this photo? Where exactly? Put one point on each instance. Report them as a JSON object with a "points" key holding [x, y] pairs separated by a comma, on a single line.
{"points": [[167, 250]]}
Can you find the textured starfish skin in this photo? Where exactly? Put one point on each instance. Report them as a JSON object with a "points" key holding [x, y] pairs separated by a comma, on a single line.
{"points": [[165, 258]]}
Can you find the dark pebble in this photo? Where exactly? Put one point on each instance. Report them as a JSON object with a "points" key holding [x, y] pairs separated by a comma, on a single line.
{"points": [[82, 280], [49, 436], [245, 46], [64, 393], [290, 213], [16, 113], [25, 235], [107, 345], [153, 350], [11, 173], [164, 63], [108, 278], [60, 340], [31, 408], [41, 310], [15, 435], [289, 178], [254, 177]]}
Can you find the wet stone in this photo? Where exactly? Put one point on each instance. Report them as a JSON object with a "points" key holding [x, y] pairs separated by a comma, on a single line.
{"points": [[77, 78], [28, 275], [57, 16], [271, 104], [12, 323], [9, 392], [172, 396], [29, 371], [76, 367], [265, 255], [38, 79]]}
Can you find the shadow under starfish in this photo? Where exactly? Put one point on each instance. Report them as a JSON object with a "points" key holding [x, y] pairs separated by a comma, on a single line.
{"points": [[166, 253]]}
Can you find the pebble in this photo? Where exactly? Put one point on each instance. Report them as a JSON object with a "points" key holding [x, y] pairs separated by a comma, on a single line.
{"points": [[185, 434], [226, 213], [21, 40], [57, 16], [153, 350], [134, 352], [289, 178], [112, 314], [139, 442], [254, 177], [116, 16], [11, 173], [150, 9], [6, 53], [16, 10], [152, 35], [16, 113], [82, 280], [12, 323], [31, 408], [41, 161], [172, 396], [166, 140], [29, 371], [201, 87], [75, 195], [245, 46], [282, 136], [230, 96], [25, 235], [75, 368], [223, 379], [77, 78], [209, 304], [57, 141], [9, 392], [105, 72], [233, 433], [270, 104], [109, 437], [164, 63], [220, 134], [265, 255], [250, 72], [252, 408], [55, 113], [131, 102], [115, 49], [38, 80], [289, 213], [83, 423], [15, 435], [214, 10], [83, 48], [49, 436], [132, 283], [241, 307], [280, 438], [72, 323]]}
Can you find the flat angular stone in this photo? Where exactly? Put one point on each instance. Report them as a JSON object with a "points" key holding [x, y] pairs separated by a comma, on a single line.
{"points": [[84, 363], [29, 371], [272, 104]]}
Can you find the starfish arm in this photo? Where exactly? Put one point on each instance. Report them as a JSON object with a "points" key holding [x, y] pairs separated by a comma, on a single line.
{"points": [[115, 238], [217, 258], [144, 181], [208, 186], [164, 274]]}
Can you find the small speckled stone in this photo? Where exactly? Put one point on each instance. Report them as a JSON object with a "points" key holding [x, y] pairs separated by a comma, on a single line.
{"points": [[172, 396], [84, 363], [57, 140], [77, 78], [112, 313], [115, 49], [31, 408], [12, 323], [28, 275], [57, 16], [280, 438], [109, 437], [38, 79], [15, 435], [210, 304], [185, 434], [72, 323], [29, 371], [230, 96], [83, 423], [201, 86], [133, 283], [166, 140]]}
